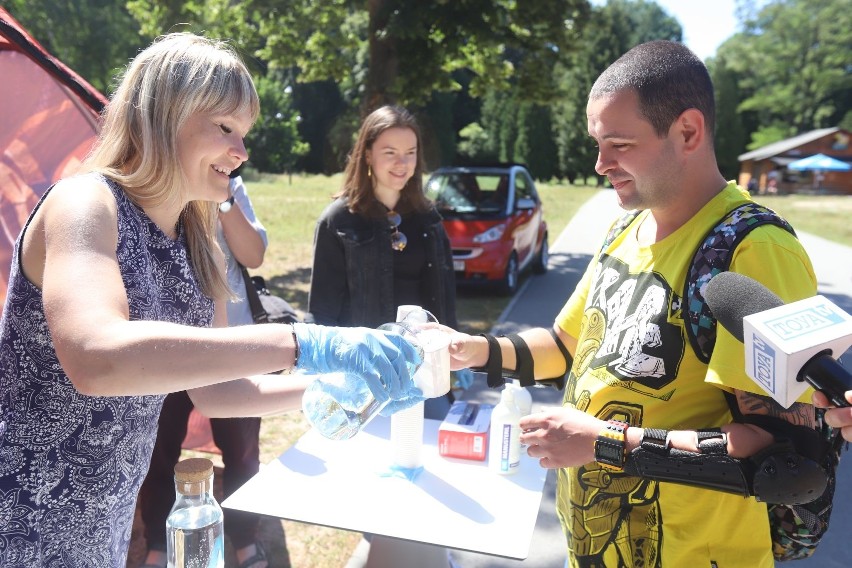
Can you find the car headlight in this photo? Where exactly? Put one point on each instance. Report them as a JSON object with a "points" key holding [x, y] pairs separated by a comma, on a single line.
{"points": [[491, 235]]}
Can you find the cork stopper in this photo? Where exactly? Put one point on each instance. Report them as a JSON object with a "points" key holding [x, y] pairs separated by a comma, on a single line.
{"points": [[193, 470]]}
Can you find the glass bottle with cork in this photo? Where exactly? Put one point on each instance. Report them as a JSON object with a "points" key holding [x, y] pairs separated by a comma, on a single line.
{"points": [[195, 534]]}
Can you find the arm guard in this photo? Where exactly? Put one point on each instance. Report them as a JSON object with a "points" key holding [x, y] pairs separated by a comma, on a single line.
{"points": [[790, 471]]}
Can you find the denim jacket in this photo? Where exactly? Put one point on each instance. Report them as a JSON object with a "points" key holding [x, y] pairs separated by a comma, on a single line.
{"points": [[352, 277]]}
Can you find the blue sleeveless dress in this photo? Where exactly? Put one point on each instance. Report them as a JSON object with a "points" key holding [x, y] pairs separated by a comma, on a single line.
{"points": [[71, 465]]}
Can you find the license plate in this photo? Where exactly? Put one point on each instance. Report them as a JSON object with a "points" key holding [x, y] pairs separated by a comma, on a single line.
{"points": [[458, 265]]}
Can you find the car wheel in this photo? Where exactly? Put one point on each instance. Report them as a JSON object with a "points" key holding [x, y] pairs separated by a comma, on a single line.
{"points": [[509, 284], [540, 262]]}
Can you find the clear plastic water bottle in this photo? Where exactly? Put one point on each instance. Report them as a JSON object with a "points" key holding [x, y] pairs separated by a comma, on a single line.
{"points": [[195, 535], [339, 405]]}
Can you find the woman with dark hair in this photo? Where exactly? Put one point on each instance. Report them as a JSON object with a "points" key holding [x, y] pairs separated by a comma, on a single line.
{"points": [[381, 243]]}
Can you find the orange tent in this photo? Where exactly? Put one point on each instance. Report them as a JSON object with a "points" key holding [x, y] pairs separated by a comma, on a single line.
{"points": [[47, 126]]}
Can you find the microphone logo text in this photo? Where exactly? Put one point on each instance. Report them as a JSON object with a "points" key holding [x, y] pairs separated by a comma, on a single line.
{"points": [[803, 322], [764, 364]]}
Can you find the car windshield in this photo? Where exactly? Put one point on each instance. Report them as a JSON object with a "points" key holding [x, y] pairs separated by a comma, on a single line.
{"points": [[469, 195]]}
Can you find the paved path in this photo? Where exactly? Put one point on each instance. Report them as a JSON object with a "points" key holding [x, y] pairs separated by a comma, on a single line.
{"points": [[537, 303]]}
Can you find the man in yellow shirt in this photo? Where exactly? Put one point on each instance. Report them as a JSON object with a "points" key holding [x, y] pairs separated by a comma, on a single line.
{"points": [[653, 444]]}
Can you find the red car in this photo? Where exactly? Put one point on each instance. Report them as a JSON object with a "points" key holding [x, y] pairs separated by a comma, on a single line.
{"points": [[494, 218]]}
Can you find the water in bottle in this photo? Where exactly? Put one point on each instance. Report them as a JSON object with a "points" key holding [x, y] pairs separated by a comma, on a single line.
{"points": [[195, 536], [339, 405]]}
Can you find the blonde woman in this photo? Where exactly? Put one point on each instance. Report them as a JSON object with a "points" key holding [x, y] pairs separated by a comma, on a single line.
{"points": [[116, 281]]}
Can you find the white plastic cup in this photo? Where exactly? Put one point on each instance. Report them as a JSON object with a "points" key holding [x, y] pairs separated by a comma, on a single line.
{"points": [[407, 437]]}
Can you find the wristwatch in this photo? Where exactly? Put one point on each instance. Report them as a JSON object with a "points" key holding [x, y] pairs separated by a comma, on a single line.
{"points": [[226, 205], [611, 447]]}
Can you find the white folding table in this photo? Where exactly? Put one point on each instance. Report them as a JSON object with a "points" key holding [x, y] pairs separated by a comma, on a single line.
{"points": [[453, 503]]}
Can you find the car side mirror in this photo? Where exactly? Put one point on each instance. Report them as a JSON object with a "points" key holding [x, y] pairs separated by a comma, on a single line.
{"points": [[525, 204]]}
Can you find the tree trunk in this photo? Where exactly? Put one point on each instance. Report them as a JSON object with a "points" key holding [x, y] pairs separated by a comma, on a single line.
{"points": [[383, 65]]}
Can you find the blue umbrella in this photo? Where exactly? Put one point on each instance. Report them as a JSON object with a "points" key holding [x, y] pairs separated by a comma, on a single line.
{"points": [[819, 162]]}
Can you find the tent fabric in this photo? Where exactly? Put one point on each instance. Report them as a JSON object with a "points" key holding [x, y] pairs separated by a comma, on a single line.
{"points": [[48, 124]]}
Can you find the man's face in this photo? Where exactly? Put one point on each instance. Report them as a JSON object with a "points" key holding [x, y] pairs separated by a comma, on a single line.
{"points": [[642, 167]]}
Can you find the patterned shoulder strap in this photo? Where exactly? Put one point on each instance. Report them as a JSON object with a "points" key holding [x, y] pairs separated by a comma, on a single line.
{"points": [[712, 257], [618, 227]]}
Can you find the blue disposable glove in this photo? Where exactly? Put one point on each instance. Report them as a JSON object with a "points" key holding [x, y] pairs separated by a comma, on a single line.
{"points": [[381, 358], [464, 378]]}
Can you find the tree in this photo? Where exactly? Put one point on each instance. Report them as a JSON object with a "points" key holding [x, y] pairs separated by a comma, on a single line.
{"points": [[398, 51], [792, 66], [274, 141], [76, 30]]}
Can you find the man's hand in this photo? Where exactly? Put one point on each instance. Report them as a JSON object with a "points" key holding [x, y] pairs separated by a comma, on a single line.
{"points": [[561, 437], [836, 417], [466, 350]]}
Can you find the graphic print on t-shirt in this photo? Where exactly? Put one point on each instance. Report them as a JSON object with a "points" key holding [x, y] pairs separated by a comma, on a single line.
{"points": [[627, 341], [627, 331]]}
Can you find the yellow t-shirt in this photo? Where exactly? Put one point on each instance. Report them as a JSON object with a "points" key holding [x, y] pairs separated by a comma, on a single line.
{"points": [[634, 363]]}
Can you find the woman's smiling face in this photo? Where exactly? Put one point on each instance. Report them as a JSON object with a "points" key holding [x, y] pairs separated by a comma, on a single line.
{"points": [[209, 148], [393, 158]]}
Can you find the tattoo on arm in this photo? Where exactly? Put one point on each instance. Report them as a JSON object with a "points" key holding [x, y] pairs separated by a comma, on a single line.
{"points": [[799, 413]]}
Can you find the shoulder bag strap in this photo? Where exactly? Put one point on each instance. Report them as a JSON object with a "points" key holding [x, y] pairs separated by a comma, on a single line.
{"points": [[258, 314]]}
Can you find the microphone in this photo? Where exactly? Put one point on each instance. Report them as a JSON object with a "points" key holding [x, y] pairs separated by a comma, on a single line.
{"points": [[784, 341]]}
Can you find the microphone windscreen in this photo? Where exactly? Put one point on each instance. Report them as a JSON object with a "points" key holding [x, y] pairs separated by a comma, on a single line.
{"points": [[732, 296]]}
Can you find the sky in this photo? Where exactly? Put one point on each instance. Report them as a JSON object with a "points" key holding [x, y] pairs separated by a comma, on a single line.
{"points": [[705, 23]]}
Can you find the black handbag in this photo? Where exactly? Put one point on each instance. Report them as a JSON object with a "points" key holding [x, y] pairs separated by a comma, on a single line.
{"points": [[266, 308]]}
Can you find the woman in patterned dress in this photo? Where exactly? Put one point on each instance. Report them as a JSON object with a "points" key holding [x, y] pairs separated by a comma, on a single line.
{"points": [[117, 296]]}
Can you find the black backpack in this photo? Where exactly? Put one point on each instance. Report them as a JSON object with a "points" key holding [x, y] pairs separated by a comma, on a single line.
{"points": [[795, 529]]}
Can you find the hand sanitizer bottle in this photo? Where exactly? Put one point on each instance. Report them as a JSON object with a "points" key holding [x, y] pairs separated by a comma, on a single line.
{"points": [[504, 443]]}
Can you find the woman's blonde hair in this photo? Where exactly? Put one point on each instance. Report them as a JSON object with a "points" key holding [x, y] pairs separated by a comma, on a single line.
{"points": [[176, 77], [357, 182]]}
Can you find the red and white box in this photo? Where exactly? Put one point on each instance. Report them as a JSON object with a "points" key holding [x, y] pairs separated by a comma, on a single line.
{"points": [[464, 432]]}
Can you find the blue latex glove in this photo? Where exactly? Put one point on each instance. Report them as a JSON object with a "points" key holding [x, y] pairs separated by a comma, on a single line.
{"points": [[381, 358], [464, 378]]}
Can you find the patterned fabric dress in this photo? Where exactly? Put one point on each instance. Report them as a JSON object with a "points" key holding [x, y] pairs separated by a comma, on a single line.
{"points": [[71, 465]]}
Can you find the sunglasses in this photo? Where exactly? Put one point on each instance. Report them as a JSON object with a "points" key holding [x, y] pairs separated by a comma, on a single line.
{"points": [[398, 240]]}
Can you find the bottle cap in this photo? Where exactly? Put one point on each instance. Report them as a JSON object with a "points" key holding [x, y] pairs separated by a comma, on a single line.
{"points": [[193, 470]]}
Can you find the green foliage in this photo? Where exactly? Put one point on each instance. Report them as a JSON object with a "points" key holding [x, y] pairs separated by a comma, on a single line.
{"points": [[768, 134], [792, 66], [475, 145], [406, 50], [95, 38], [273, 142]]}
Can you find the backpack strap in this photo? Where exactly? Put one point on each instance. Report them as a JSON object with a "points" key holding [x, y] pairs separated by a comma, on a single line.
{"points": [[713, 256], [618, 227]]}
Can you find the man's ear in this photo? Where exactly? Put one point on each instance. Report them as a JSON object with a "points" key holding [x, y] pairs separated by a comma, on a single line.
{"points": [[690, 129]]}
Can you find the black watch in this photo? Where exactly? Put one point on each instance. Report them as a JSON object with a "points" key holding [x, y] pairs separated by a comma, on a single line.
{"points": [[226, 205], [611, 446]]}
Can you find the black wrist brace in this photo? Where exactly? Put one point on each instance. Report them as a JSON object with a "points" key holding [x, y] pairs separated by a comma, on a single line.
{"points": [[493, 368]]}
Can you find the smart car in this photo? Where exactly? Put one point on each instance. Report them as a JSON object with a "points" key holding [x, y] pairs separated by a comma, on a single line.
{"points": [[493, 216]]}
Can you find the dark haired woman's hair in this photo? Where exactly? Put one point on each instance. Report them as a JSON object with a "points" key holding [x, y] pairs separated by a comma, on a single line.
{"points": [[358, 185], [667, 78]]}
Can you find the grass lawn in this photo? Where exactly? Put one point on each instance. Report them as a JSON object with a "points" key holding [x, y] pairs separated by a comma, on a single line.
{"points": [[289, 207]]}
